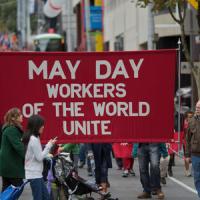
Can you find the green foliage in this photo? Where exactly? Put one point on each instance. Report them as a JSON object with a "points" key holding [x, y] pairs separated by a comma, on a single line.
{"points": [[159, 5], [8, 15]]}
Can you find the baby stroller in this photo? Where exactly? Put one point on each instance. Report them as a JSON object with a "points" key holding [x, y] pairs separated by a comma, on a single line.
{"points": [[66, 175]]}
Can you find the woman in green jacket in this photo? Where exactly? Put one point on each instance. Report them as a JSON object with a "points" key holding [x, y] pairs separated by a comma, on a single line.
{"points": [[12, 151]]}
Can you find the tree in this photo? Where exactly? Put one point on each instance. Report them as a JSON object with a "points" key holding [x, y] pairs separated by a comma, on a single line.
{"points": [[159, 5], [8, 15]]}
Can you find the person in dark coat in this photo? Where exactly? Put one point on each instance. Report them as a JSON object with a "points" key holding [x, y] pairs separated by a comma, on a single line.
{"points": [[12, 151], [103, 161], [193, 145]]}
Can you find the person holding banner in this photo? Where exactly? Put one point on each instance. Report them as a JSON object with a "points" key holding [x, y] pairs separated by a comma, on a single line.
{"points": [[12, 149], [149, 155], [103, 161], [35, 156], [193, 145]]}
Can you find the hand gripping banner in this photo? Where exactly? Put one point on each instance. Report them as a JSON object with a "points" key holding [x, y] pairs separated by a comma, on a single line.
{"points": [[93, 97]]}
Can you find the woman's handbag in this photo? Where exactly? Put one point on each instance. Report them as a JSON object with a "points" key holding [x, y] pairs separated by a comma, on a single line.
{"points": [[12, 192]]}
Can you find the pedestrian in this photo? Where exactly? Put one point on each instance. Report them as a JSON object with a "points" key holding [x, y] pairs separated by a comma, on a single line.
{"points": [[73, 149], [149, 155], [193, 145], [102, 159], [35, 155], [128, 160], [173, 146], [124, 151], [82, 155], [118, 159], [188, 117], [163, 163], [12, 149], [84, 158]]}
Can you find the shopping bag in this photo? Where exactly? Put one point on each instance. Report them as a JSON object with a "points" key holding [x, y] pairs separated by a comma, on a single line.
{"points": [[12, 192]]}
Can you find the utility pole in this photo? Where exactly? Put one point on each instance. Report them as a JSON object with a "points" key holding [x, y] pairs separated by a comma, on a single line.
{"points": [[28, 25], [193, 100], [67, 18], [19, 22], [151, 28], [179, 95], [87, 24], [23, 20], [69, 26], [40, 21]]}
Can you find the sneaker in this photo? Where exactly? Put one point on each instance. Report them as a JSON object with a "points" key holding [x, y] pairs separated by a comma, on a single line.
{"points": [[170, 173], [89, 170], [90, 173], [105, 195], [81, 164], [154, 192], [187, 173], [160, 194], [132, 172], [144, 195], [163, 180], [119, 168], [125, 173]]}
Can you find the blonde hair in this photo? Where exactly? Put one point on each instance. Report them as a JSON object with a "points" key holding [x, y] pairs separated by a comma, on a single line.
{"points": [[11, 116]]}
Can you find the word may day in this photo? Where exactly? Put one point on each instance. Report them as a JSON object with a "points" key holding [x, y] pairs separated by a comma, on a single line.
{"points": [[103, 71]]}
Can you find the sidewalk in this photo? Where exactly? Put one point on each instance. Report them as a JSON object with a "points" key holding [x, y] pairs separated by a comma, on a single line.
{"points": [[128, 188]]}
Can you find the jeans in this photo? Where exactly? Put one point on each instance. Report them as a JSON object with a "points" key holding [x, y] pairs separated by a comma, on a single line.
{"points": [[196, 168], [83, 155], [101, 173], [149, 153], [39, 189]]}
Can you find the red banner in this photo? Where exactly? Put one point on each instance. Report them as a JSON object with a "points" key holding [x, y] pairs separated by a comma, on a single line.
{"points": [[93, 97]]}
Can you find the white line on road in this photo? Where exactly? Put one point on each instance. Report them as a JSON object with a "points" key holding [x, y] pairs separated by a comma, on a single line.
{"points": [[183, 185]]}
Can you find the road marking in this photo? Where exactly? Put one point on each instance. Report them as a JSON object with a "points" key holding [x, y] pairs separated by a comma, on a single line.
{"points": [[183, 185]]}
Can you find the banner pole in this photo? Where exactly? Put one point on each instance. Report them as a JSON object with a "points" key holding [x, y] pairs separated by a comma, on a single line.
{"points": [[179, 94]]}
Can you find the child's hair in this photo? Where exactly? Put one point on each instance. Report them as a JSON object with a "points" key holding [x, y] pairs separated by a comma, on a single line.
{"points": [[188, 113], [10, 118], [35, 122]]}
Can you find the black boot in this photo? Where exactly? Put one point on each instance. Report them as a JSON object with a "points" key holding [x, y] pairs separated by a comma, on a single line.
{"points": [[170, 173]]}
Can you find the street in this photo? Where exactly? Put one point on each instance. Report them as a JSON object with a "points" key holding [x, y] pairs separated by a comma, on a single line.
{"points": [[177, 188]]}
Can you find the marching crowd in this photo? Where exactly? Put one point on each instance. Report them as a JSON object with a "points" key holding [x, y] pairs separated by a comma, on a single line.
{"points": [[22, 156], [8, 42]]}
